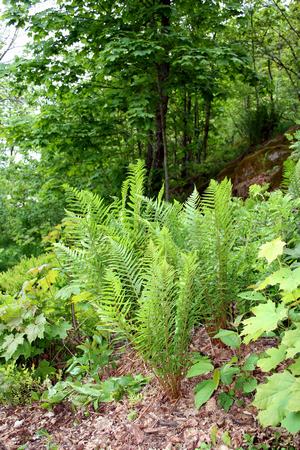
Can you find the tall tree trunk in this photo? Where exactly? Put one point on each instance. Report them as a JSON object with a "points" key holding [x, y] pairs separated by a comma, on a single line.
{"points": [[163, 69], [186, 138], [208, 102]]}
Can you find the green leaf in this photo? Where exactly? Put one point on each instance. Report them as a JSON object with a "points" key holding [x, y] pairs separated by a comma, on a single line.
{"points": [[266, 317], [58, 331], [229, 337], [252, 296], [36, 329], [250, 362], [225, 400], [288, 279], [203, 392], [227, 373], [272, 398], [10, 344], [289, 297], [295, 367], [291, 340], [202, 367], [293, 404], [44, 369], [273, 357], [292, 422], [226, 438], [249, 385], [271, 250]]}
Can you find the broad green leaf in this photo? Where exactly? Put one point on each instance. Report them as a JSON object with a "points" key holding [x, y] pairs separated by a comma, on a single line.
{"points": [[249, 385], [250, 362], [272, 398], [59, 330], [226, 438], [271, 250], [83, 296], [229, 337], [246, 383], [44, 368], [10, 344], [273, 357], [295, 367], [46, 282], [290, 297], [225, 400], [252, 296], [288, 279], [292, 422], [202, 366], [294, 402], [36, 329], [227, 373], [265, 319], [204, 391], [291, 340]]}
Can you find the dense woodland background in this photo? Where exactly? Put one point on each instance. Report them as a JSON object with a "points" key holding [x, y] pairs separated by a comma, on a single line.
{"points": [[150, 224], [185, 86]]}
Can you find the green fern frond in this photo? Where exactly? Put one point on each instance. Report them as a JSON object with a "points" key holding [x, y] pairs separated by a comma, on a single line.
{"points": [[287, 174], [114, 306], [294, 187], [188, 304]]}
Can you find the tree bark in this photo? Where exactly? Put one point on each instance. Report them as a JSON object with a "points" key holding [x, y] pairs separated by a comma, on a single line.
{"points": [[163, 69], [208, 102]]}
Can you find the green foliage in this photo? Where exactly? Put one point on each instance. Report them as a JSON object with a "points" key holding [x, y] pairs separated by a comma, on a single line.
{"points": [[31, 320], [94, 359], [82, 394], [17, 385], [12, 280], [152, 269], [275, 399], [232, 376]]}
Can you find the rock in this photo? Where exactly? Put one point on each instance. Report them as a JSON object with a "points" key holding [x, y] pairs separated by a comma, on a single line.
{"points": [[263, 165], [18, 423]]}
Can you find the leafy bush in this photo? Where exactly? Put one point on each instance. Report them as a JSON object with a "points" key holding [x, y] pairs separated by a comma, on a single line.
{"points": [[83, 393], [32, 320], [12, 280], [278, 398], [17, 385]]}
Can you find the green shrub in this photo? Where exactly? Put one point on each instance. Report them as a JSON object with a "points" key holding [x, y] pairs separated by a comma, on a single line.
{"points": [[17, 385], [278, 398], [12, 280]]}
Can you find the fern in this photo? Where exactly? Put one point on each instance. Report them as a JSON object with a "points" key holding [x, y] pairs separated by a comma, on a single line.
{"points": [[217, 236], [294, 187]]}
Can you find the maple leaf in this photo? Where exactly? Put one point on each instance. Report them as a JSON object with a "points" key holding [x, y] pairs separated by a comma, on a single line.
{"points": [[271, 250], [266, 317], [291, 339], [10, 344], [273, 357], [272, 398]]}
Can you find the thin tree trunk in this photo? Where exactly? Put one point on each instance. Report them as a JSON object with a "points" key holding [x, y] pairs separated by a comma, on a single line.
{"points": [[160, 164], [208, 102]]}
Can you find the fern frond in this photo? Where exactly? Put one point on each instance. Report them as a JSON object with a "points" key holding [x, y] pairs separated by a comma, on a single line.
{"points": [[287, 174], [188, 304], [114, 306], [294, 188]]}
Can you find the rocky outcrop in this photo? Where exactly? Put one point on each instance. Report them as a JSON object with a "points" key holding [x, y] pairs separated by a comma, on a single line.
{"points": [[263, 165]]}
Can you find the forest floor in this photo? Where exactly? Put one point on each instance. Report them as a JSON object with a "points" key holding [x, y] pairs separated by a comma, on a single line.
{"points": [[149, 422]]}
